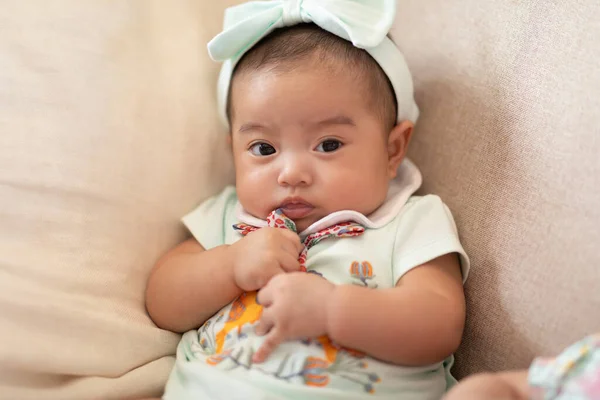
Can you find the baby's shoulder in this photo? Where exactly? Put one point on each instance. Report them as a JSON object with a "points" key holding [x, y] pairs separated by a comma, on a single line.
{"points": [[428, 200], [210, 222], [418, 208]]}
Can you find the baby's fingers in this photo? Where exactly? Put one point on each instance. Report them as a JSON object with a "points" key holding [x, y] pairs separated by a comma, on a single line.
{"points": [[265, 324], [294, 239], [289, 263], [272, 340]]}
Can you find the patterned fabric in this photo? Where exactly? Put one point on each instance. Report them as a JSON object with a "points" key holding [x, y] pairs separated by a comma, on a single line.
{"points": [[277, 219], [573, 375], [239, 318]]}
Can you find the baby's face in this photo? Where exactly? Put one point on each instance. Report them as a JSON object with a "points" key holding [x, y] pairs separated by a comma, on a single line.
{"points": [[309, 142]]}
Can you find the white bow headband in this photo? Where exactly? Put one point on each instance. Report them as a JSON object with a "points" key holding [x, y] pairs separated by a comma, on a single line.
{"points": [[365, 23]]}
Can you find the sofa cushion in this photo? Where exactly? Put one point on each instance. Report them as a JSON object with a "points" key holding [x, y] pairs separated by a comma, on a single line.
{"points": [[108, 135]]}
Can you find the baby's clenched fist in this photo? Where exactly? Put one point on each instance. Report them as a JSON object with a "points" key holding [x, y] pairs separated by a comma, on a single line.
{"points": [[262, 254]]}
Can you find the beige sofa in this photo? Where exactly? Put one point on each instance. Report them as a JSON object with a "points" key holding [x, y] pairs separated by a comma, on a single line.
{"points": [[108, 134]]}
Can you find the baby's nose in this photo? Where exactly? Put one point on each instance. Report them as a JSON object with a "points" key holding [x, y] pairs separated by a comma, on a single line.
{"points": [[295, 172]]}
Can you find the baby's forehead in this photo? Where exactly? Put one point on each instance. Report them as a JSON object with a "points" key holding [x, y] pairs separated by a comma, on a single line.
{"points": [[312, 81]]}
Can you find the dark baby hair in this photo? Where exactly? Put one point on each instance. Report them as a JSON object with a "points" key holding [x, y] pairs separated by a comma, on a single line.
{"points": [[283, 47]]}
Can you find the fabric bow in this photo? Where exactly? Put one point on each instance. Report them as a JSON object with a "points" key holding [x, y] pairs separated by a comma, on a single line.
{"points": [[365, 23]]}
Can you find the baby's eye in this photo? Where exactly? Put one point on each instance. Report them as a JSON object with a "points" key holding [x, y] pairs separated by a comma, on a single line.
{"points": [[329, 145], [262, 149]]}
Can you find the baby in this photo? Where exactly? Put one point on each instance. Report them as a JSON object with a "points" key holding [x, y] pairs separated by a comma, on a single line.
{"points": [[320, 275]]}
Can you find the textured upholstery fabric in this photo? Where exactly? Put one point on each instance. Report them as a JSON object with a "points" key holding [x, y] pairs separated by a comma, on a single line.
{"points": [[510, 138], [108, 134]]}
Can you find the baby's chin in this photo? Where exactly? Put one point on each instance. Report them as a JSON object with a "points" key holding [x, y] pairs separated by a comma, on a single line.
{"points": [[303, 224]]}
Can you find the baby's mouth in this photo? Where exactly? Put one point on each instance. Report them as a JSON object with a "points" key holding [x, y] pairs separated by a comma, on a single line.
{"points": [[296, 208]]}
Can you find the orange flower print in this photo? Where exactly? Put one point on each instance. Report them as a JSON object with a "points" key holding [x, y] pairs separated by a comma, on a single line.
{"points": [[315, 372], [217, 358], [237, 309], [244, 310], [363, 272]]}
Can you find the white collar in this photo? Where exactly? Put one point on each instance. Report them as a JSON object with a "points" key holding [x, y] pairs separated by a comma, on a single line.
{"points": [[407, 182]]}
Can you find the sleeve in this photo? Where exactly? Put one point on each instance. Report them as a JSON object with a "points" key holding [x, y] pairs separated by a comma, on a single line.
{"points": [[426, 230], [209, 222], [569, 374]]}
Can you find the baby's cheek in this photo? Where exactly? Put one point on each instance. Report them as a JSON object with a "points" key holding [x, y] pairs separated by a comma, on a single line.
{"points": [[252, 195], [362, 192]]}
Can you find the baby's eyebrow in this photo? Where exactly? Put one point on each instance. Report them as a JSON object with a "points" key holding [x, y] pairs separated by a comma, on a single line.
{"points": [[250, 126], [337, 120]]}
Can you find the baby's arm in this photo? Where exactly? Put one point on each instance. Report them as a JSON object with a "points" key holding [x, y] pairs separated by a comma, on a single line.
{"points": [[418, 322], [188, 285], [511, 385]]}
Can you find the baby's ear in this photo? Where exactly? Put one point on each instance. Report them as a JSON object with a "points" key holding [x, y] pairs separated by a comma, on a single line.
{"points": [[398, 141]]}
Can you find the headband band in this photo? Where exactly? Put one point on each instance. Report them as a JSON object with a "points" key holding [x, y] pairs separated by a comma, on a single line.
{"points": [[365, 23]]}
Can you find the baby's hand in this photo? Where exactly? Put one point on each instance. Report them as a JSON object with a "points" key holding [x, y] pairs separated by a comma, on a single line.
{"points": [[509, 385], [263, 254], [295, 307]]}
